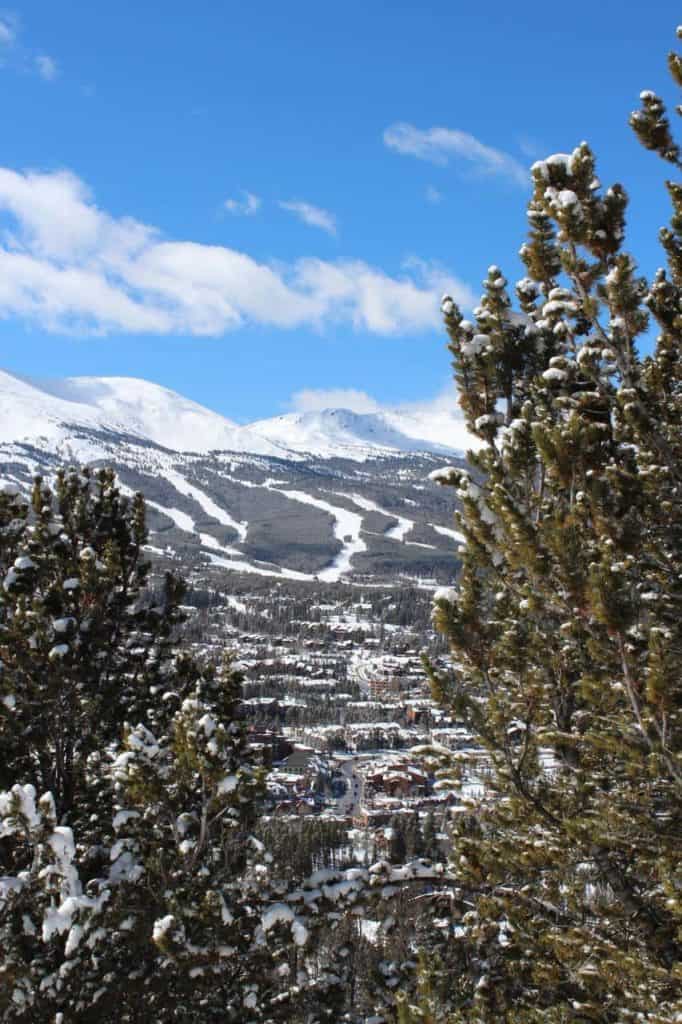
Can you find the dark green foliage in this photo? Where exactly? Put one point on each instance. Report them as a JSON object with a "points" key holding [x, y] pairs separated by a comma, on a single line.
{"points": [[397, 847]]}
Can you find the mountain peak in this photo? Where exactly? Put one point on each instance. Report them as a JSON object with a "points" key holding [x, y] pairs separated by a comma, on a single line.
{"points": [[49, 410], [344, 433]]}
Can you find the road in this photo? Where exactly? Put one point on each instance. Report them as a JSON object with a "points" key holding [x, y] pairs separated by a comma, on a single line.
{"points": [[351, 801]]}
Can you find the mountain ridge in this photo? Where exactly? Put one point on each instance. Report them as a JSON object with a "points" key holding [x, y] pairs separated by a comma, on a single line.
{"points": [[48, 410], [331, 496]]}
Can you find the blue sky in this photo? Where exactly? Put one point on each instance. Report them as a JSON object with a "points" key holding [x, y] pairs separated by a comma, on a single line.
{"points": [[247, 201]]}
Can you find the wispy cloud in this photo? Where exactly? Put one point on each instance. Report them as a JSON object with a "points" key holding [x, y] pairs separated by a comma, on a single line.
{"points": [[530, 147], [440, 145], [69, 266], [314, 216], [433, 195], [8, 32], [246, 207], [47, 67], [17, 56]]}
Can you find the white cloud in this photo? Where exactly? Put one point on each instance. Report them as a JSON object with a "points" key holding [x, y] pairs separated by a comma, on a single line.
{"points": [[438, 278], [70, 266], [441, 420], [47, 67], [245, 207], [314, 216], [433, 195], [315, 399], [373, 300], [438, 145]]}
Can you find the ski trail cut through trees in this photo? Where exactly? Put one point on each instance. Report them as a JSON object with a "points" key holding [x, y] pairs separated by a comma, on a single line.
{"points": [[219, 556], [346, 525], [190, 490], [397, 532]]}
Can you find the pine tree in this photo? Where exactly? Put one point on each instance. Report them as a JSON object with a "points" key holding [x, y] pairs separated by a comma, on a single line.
{"points": [[566, 624], [131, 885], [430, 836], [82, 643], [174, 924], [397, 847]]}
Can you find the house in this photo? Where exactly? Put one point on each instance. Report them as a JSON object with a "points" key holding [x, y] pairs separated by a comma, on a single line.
{"points": [[398, 780], [275, 746]]}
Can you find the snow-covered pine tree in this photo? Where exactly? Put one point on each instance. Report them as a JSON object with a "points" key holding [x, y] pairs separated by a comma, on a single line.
{"points": [[566, 623], [83, 645], [130, 886]]}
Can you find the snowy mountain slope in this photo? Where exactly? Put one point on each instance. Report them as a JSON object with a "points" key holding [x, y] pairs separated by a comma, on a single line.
{"points": [[49, 411], [347, 529], [333, 497], [27, 412], [331, 520], [340, 433], [33, 409]]}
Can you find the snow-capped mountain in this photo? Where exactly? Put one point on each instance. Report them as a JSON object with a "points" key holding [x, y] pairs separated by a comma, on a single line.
{"points": [[334, 433], [329, 496], [49, 411]]}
